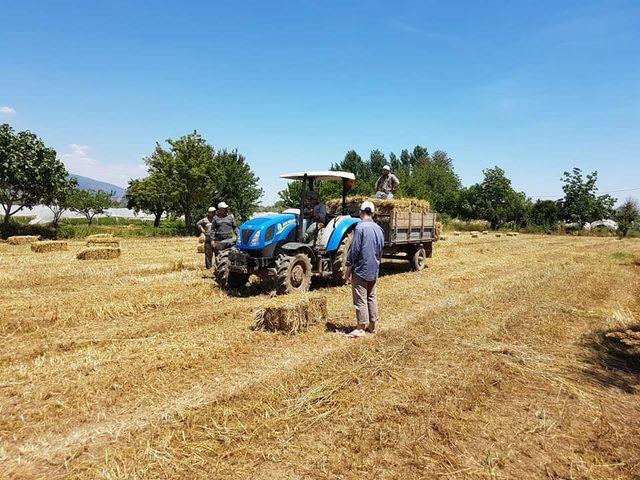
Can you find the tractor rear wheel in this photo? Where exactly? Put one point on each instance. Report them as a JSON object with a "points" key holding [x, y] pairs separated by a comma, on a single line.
{"points": [[224, 276], [293, 274], [339, 264], [418, 259]]}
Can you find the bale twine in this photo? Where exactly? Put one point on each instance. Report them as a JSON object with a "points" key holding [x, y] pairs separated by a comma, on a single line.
{"points": [[291, 314], [22, 239], [98, 253], [103, 242], [49, 246]]}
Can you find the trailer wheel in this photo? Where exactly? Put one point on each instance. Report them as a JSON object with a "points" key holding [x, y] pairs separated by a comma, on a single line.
{"points": [[339, 264], [418, 259], [293, 274], [225, 278]]}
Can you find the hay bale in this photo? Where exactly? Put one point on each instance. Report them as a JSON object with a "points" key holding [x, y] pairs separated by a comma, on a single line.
{"points": [[200, 248], [98, 253], [22, 239], [438, 232], [49, 246], [103, 242], [442, 237], [498, 234], [485, 232], [100, 235], [291, 314], [201, 238], [383, 207], [511, 234], [474, 235], [457, 234]]}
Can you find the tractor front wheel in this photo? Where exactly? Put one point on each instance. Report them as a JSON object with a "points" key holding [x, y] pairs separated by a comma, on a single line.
{"points": [[293, 274], [224, 276]]}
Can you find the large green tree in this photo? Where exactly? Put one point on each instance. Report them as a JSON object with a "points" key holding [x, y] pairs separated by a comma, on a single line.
{"points": [[494, 200], [29, 171], [581, 204], [545, 214], [90, 203], [151, 194]]}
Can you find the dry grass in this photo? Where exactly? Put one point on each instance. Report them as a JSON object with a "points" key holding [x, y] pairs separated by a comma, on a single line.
{"points": [[495, 362], [49, 246], [22, 239], [100, 235], [98, 253], [291, 313]]}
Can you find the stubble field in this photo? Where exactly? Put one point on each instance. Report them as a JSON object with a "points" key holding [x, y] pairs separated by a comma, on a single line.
{"points": [[497, 361]]}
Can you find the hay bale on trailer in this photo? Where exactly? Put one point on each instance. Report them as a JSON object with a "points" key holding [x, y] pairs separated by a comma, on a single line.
{"points": [[98, 253], [23, 239], [291, 313], [49, 246], [383, 207]]}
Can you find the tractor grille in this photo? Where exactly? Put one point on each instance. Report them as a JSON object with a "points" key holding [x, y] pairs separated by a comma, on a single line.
{"points": [[246, 235]]}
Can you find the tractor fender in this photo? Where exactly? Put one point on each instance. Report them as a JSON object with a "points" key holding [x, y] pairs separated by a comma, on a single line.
{"points": [[294, 247], [343, 226]]}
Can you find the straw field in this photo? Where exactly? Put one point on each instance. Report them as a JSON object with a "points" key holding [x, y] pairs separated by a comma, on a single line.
{"points": [[511, 357]]}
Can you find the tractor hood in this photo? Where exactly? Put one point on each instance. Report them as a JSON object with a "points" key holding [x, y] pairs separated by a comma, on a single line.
{"points": [[262, 231]]}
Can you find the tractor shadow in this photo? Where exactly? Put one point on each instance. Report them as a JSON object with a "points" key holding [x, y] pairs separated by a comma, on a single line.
{"points": [[613, 357]]}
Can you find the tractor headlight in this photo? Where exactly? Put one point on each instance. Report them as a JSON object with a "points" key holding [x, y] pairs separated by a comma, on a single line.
{"points": [[255, 239]]}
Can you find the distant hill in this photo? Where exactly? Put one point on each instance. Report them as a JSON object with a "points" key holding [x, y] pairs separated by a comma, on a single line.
{"points": [[86, 183]]}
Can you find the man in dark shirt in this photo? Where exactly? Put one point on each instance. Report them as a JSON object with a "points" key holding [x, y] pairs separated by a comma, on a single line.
{"points": [[204, 226], [224, 230], [363, 265]]}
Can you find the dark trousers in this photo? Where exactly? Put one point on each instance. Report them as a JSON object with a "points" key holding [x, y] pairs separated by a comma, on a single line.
{"points": [[208, 254], [223, 244]]}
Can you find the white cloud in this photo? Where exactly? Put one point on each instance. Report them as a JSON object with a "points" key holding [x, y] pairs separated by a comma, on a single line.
{"points": [[79, 161], [6, 110]]}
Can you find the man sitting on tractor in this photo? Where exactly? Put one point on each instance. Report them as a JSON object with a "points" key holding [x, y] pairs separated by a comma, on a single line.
{"points": [[316, 217]]}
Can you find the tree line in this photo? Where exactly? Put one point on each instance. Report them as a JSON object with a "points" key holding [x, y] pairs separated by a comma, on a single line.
{"points": [[186, 175], [432, 177]]}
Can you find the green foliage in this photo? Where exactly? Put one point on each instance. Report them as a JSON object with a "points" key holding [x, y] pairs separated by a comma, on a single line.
{"points": [[151, 194], [29, 171], [198, 177], [494, 200], [90, 203], [580, 203], [71, 228], [623, 257], [59, 201], [627, 215], [544, 214]]}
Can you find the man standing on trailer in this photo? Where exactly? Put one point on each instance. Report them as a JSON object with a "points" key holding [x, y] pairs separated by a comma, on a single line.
{"points": [[204, 226], [387, 184], [224, 230], [363, 265]]}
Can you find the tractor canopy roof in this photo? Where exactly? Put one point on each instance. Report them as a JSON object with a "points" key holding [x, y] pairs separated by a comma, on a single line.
{"points": [[322, 175]]}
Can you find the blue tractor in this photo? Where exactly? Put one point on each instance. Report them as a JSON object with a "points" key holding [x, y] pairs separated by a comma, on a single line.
{"points": [[273, 246]]}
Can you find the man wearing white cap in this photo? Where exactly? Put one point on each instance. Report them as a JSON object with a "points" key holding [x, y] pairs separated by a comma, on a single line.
{"points": [[387, 183], [224, 230], [363, 265], [204, 226]]}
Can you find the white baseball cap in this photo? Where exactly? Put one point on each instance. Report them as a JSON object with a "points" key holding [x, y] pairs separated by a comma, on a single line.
{"points": [[367, 207], [386, 167], [212, 209], [223, 205]]}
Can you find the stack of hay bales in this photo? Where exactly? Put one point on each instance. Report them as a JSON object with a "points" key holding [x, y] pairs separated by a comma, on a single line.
{"points": [[23, 239], [49, 246], [512, 234], [100, 247], [383, 207], [291, 313]]}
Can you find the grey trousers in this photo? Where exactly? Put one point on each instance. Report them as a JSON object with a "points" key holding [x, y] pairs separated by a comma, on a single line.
{"points": [[208, 254], [224, 244], [365, 300]]}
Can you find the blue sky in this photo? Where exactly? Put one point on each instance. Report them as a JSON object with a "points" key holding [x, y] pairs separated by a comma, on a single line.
{"points": [[534, 87]]}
